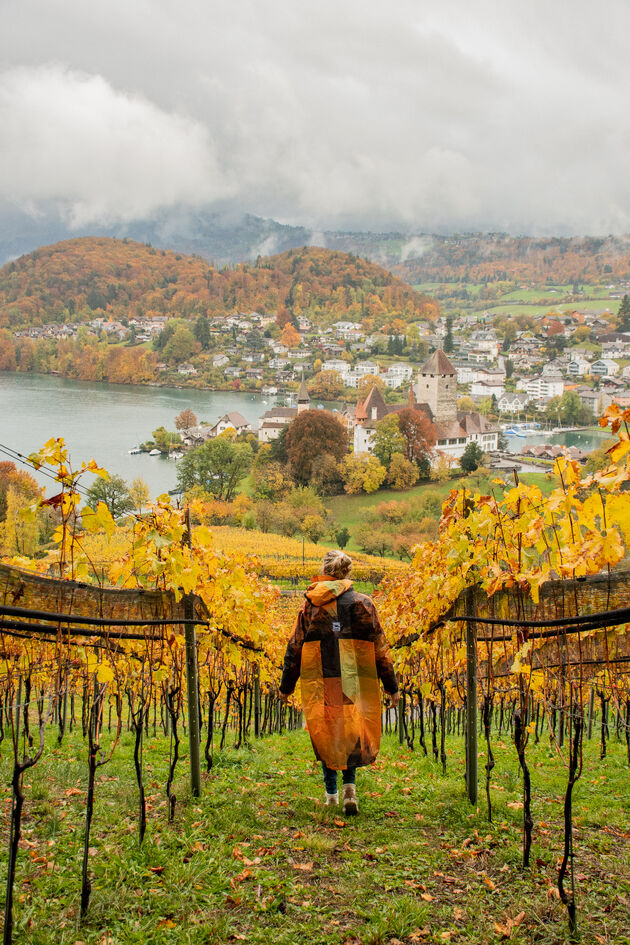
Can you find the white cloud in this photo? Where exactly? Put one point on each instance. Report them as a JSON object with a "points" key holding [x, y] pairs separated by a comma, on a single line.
{"points": [[74, 143], [429, 116]]}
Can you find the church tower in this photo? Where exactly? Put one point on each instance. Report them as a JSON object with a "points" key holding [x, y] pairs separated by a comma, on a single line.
{"points": [[437, 386], [303, 399]]}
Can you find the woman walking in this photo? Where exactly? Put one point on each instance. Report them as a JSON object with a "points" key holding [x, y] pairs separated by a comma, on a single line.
{"points": [[339, 651]]}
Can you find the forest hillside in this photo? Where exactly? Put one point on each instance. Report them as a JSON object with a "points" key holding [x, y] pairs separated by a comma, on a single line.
{"points": [[75, 279]]}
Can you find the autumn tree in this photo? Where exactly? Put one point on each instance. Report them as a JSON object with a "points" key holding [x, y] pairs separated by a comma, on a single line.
{"points": [[401, 473], [186, 419], [326, 385], [269, 476], [180, 346], [387, 439], [325, 476], [361, 472], [218, 465], [114, 492], [21, 481], [419, 434], [368, 381], [139, 492], [312, 433], [290, 336], [441, 469]]}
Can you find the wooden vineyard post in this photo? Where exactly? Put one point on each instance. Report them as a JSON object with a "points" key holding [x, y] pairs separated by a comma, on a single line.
{"points": [[256, 703], [192, 684], [471, 699]]}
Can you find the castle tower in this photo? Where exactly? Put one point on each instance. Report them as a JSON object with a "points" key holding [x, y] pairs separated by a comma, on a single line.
{"points": [[303, 399], [437, 386]]}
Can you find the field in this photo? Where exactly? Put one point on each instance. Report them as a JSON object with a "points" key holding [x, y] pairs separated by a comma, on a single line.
{"points": [[258, 858], [536, 301], [349, 509]]}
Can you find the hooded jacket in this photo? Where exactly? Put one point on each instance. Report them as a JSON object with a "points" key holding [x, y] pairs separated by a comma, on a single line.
{"points": [[339, 651]]}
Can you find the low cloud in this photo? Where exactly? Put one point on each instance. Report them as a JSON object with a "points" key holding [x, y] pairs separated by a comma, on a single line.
{"points": [[426, 117], [75, 145]]}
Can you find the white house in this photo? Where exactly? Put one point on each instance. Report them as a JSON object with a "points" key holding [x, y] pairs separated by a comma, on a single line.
{"points": [[512, 403], [336, 364], [397, 375], [543, 386], [231, 421], [483, 389], [578, 367], [605, 367]]}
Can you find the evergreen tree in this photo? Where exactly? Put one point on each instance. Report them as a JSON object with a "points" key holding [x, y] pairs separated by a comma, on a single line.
{"points": [[202, 331], [624, 314], [449, 344]]}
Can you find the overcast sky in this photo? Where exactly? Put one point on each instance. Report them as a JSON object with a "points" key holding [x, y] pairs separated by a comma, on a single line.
{"points": [[424, 115]]}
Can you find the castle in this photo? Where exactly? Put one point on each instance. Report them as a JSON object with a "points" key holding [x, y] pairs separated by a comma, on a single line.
{"points": [[435, 394]]}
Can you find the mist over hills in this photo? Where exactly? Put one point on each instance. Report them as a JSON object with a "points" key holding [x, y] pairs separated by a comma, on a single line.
{"points": [[227, 238]]}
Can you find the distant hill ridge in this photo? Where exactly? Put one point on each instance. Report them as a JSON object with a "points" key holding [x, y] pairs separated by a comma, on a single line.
{"points": [[74, 279]]}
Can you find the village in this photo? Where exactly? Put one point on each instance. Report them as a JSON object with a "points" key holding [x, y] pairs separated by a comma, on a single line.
{"points": [[559, 371]]}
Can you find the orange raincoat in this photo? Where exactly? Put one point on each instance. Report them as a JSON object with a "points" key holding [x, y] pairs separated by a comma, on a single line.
{"points": [[339, 651]]}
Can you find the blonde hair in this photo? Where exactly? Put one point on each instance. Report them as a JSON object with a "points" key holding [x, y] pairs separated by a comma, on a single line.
{"points": [[336, 564]]}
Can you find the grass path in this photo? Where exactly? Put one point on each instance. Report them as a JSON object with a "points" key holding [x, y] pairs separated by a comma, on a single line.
{"points": [[258, 858]]}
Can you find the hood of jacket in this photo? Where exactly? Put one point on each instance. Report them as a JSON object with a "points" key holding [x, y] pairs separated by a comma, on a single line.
{"points": [[325, 589]]}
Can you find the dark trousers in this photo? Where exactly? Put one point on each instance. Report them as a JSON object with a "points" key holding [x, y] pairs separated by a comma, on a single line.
{"points": [[330, 778]]}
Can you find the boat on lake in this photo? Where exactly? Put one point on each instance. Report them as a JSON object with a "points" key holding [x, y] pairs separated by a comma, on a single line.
{"points": [[134, 450], [155, 453]]}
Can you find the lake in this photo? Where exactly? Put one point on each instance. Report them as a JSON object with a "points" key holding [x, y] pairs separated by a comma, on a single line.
{"points": [[586, 440], [104, 421]]}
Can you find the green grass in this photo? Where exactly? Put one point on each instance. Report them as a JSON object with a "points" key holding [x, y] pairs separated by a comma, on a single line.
{"points": [[349, 510], [258, 858]]}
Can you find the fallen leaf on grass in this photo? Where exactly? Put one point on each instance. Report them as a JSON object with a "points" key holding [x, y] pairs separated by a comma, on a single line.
{"points": [[71, 792], [414, 884], [458, 914], [505, 929], [305, 867], [166, 924], [515, 805], [338, 822], [488, 882], [157, 869], [427, 897]]}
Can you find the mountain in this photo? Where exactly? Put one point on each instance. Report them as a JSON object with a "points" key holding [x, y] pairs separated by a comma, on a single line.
{"points": [[74, 279], [488, 257], [225, 238], [218, 237]]}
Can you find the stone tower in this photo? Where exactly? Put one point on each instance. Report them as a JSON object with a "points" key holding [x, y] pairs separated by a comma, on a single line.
{"points": [[303, 399], [437, 386]]}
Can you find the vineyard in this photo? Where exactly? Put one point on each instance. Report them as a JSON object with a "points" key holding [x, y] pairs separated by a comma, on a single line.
{"points": [[512, 623]]}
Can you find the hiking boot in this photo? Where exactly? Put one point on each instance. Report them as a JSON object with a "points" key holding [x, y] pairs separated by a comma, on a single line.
{"points": [[350, 806], [331, 800]]}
